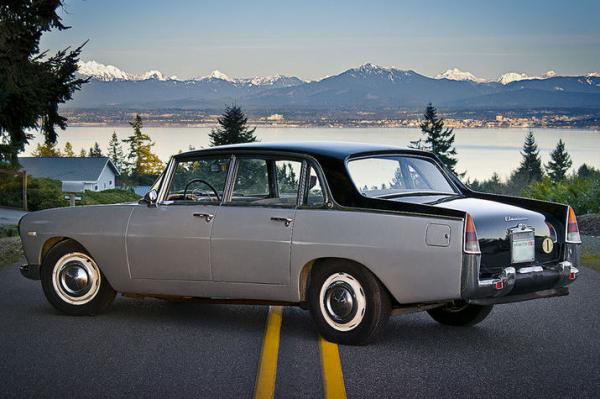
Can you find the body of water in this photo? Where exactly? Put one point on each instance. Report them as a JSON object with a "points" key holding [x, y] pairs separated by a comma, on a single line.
{"points": [[480, 152]]}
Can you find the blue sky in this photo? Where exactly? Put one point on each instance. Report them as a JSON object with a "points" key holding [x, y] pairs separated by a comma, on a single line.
{"points": [[312, 39]]}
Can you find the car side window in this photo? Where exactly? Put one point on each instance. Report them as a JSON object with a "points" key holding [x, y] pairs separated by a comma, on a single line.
{"points": [[315, 196], [267, 182], [198, 181], [288, 181]]}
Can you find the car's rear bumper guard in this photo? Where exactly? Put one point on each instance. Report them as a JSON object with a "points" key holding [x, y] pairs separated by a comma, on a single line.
{"points": [[553, 280]]}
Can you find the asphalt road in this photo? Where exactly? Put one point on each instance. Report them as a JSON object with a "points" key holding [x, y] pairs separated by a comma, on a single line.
{"points": [[152, 349]]}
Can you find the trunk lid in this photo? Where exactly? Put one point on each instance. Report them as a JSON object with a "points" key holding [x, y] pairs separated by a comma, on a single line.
{"points": [[493, 220]]}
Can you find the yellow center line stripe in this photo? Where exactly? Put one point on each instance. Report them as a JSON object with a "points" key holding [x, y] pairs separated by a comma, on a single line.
{"points": [[267, 369], [333, 377]]}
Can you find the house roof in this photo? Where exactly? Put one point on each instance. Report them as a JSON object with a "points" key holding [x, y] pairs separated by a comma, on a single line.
{"points": [[86, 169]]}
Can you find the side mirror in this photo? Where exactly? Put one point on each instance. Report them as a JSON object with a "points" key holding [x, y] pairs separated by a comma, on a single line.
{"points": [[151, 197]]}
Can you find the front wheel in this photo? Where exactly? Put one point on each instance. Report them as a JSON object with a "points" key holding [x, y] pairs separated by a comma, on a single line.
{"points": [[460, 314], [348, 303], [73, 282]]}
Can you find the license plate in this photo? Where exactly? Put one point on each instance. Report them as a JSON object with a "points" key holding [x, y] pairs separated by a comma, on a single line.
{"points": [[523, 246]]}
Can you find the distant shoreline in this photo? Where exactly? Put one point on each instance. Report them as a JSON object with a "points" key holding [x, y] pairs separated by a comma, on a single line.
{"points": [[309, 126]]}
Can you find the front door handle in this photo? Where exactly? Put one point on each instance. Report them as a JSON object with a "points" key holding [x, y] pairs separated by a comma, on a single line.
{"points": [[286, 221], [207, 216]]}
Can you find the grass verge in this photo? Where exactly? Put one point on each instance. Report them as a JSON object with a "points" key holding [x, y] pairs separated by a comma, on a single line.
{"points": [[10, 250], [10, 245], [591, 261]]}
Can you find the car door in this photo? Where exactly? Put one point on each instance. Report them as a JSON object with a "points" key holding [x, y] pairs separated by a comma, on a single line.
{"points": [[251, 238], [171, 240]]}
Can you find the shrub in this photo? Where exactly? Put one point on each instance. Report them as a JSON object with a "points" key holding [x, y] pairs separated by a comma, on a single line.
{"points": [[583, 194], [44, 193]]}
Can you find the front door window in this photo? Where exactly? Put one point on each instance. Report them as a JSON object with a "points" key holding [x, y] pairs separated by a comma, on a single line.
{"points": [[198, 181]]}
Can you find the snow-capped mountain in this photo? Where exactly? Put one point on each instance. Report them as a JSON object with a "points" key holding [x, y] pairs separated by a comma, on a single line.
{"points": [[457, 74], [371, 71], [272, 81], [154, 74], [516, 76], [513, 77], [364, 87], [100, 71], [216, 74], [108, 73]]}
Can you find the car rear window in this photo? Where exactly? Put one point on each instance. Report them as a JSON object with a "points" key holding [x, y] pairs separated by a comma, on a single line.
{"points": [[394, 176]]}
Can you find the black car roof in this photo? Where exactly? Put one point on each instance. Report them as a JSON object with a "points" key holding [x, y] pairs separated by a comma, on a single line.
{"points": [[328, 149]]}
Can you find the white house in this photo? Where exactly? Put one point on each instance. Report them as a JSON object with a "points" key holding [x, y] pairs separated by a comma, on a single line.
{"points": [[95, 173]]}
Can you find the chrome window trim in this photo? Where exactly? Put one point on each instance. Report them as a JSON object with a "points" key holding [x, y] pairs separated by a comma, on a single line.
{"points": [[166, 181], [301, 191], [327, 198]]}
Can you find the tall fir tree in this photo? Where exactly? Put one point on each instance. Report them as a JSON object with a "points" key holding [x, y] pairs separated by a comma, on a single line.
{"points": [[559, 164], [32, 84], [233, 128], [46, 150], [438, 140], [140, 159], [95, 151], [68, 150], [530, 169], [115, 152]]}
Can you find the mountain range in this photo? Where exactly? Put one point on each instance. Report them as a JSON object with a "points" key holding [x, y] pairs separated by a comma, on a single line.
{"points": [[362, 88]]}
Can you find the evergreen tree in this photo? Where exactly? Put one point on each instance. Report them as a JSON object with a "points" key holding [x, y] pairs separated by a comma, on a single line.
{"points": [[140, 159], [95, 151], [530, 169], [82, 153], [586, 171], [115, 152], [68, 150], [438, 140], [46, 150], [233, 128], [560, 162], [32, 84]]}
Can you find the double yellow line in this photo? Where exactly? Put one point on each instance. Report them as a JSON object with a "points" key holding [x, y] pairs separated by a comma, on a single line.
{"points": [[333, 378]]}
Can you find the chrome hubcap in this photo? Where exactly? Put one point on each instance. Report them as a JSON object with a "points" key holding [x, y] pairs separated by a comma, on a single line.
{"points": [[76, 278], [342, 301]]}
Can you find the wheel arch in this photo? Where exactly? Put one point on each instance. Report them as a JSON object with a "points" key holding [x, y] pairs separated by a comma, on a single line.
{"points": [[51, 243], [305, 273]]}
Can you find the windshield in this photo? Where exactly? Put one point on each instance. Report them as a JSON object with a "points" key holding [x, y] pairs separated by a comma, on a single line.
{"points": [[393, 176]]}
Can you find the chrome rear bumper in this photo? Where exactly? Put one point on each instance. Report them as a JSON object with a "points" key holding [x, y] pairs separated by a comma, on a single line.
{"points": [[513, 284]]}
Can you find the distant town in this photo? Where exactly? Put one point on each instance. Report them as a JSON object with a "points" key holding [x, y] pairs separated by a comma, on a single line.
{"points": [[567, 118]]}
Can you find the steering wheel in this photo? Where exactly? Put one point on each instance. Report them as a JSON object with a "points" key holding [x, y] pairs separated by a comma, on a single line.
{"points": [[200, 181]]}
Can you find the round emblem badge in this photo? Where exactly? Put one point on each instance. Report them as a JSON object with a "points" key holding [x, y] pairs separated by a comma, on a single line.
{"points": [[547, 245]]}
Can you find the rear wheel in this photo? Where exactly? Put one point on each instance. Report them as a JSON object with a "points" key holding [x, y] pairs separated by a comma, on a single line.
{"points": [[347, 302], [73, 282], [460, 314]]}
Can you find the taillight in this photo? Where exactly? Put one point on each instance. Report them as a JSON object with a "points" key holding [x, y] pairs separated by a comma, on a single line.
{"points": [[572, 228], [471, 242]]}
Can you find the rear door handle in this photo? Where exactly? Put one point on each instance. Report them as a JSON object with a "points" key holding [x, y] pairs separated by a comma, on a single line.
{"points": [[286, 221], [207, 216]]}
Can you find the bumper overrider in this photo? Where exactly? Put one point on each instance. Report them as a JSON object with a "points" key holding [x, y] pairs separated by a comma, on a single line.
{"points": [[32, 272], [519, 283]]}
